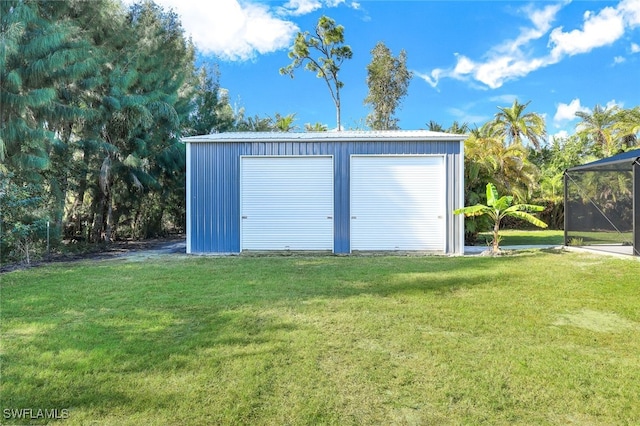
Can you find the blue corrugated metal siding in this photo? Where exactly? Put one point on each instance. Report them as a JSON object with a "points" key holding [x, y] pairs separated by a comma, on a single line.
{"points": [[215, 186]]}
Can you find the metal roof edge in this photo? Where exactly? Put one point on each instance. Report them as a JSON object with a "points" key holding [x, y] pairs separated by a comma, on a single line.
{"points": [[391, 135], [629, 157]]}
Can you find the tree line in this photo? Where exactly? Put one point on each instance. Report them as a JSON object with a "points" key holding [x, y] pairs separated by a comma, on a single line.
{"points": [[513, 152], [95, 97]]}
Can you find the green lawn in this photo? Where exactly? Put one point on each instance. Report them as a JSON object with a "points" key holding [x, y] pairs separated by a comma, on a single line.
{"points": [[513, 237], [530, 338]]}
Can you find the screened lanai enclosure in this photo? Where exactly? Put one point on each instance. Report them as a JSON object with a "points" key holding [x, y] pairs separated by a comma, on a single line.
{"points": [[602, 204]]}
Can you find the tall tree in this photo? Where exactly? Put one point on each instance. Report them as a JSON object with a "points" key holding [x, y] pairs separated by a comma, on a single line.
{"points": [[609, 129], [74, 105], [328, 41], [487, 159], [127, 149], [211, 110], [47, 71], [514, 125], [629, 125], [597, 126], [39, 62], [388, 81]]}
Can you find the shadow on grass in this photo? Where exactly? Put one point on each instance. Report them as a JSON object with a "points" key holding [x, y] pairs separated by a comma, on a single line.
{"points": [[110, 344]]}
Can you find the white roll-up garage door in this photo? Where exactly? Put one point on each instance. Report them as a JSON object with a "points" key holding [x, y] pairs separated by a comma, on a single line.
{"points": [[398, 203], [287, 203]]}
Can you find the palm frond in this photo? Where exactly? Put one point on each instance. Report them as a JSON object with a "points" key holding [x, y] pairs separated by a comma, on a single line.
{"points": [[528, 217]]}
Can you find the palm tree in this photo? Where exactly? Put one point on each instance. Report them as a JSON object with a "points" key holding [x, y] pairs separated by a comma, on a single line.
{"points": [[435, 126], [253, 124], [316, 127], [498, 208], [628, 124], [455, 127], [514, 125], [488, 159], [458, 128], [284, 123], [598, 126]]}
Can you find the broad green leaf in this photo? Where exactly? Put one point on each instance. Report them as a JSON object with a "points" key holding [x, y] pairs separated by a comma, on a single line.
{"points": [[528, 217], [526, 208], [503, 203], [492, 194], [477, 210]]}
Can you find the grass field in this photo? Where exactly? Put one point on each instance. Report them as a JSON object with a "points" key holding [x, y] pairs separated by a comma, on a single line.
{"points": [[530, 338], [514, 237]]}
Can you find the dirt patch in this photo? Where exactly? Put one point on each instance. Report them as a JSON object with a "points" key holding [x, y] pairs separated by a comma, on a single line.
{"points": [[130, 249]]}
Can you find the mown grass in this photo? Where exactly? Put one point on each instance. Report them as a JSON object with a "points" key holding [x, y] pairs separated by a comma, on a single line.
{"points": [[531, 338], [515, 237]]}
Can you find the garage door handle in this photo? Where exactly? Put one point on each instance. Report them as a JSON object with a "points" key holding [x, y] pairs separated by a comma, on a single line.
{"points": [[329, 217], [353, 217], [244, 217]]}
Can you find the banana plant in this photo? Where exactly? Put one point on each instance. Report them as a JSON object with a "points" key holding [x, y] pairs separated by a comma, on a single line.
{"points": [[498, 208]]}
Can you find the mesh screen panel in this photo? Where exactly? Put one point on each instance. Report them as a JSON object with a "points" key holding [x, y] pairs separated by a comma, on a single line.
{"points": [[599, 208]]}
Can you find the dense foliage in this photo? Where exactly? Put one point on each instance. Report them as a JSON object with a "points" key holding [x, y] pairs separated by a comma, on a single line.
{"points": [[513, 153], [388, 80]]}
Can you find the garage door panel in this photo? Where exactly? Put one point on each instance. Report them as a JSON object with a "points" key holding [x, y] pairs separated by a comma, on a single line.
{"points": [[397, 203], [287, 203]]}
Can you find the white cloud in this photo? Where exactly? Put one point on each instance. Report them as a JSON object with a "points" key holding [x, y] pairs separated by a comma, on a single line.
{"points": [[302, 7], [619, 60], [635, 48], [613, 103], [505, 61], [432, 78], [464, 66], [501, 69], [567, 112], [541, 19], [560, 135], [513, 59], [239, 30], [230, 29], [599, 30], [631, 12]]}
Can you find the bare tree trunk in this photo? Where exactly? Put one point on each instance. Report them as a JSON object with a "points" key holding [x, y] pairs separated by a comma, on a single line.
{"points": [[77, 205], [98, 220], [338, 110], [109, 227], [496, 236]]}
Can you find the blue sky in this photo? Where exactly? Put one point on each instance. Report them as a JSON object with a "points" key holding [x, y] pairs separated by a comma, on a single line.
{"points": [[468, 57]]}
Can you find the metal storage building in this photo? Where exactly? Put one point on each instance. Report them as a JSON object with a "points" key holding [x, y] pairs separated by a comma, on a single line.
{"points": [[325, 191]]}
